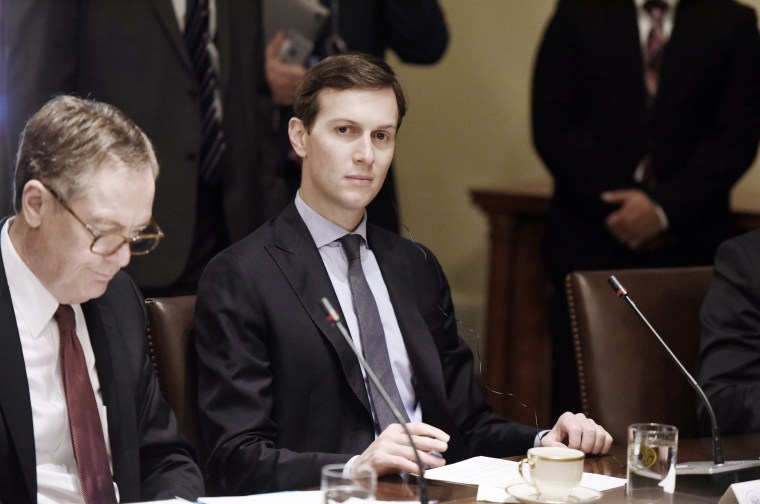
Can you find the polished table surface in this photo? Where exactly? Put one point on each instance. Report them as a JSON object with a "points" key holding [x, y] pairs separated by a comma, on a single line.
{"points": [[689, 489]]}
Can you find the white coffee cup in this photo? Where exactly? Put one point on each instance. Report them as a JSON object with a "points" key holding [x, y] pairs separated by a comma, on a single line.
{"points": [[554, 471]]}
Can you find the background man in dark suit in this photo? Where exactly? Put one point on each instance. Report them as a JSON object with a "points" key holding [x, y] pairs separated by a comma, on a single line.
{"points": [[729, 356], [280, 392], [132, 54], [85, 178], [646, 114]]}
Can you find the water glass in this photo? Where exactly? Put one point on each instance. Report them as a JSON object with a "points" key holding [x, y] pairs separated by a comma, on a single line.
{"points": [[345, 486], [652, 451]]}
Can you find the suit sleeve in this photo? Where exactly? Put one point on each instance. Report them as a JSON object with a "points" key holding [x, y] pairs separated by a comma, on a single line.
{"points": [[729, 359], [38, 41], [235, 391], [167, 466], [417, 30], [573, 153]]}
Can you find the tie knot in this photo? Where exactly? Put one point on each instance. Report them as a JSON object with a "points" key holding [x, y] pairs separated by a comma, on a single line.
{"points": [[64, 315], [656, 8], [351, 244]]}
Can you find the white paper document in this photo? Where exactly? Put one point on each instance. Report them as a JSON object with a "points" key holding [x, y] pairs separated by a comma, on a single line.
{"points": [[310, 497], [499, 474]]}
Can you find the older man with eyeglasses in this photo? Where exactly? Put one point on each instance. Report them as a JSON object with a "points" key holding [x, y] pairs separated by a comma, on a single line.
{"points": [[81, 415]]}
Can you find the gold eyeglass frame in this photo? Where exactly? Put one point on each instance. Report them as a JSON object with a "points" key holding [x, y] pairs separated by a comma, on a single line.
{"points": [[96, 235]]}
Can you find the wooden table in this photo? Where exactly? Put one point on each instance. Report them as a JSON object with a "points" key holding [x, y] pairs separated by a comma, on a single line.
{"points": [[517, 335], [689, 489]]}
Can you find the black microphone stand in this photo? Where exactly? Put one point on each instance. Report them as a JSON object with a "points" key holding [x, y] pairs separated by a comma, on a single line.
{"points": [[718, 465], [334, 319]]}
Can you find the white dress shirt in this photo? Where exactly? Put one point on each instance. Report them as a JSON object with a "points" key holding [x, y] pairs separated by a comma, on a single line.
{"points": [[34, 307]]}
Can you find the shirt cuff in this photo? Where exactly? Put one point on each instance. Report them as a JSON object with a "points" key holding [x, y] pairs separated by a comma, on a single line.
{"points": [[348, 466], [664, 223], [539, 437]]}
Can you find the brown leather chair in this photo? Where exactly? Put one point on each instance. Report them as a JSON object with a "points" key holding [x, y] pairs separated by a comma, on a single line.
{"points": [[625, 374], [170, 343]]}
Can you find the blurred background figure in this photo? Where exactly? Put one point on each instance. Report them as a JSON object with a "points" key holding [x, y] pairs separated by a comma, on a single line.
{"points": [[646, 113], [414, 29], [190, 73]]}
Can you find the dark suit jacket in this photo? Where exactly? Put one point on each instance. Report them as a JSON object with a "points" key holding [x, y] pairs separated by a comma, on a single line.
{"points": [[729, 356], [151, 460], [592, 128], [280, 392], [130, 53], [413, 29]]}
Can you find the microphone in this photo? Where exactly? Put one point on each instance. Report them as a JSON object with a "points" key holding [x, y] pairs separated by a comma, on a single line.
{"points": [[334, 319], [717, 465]]}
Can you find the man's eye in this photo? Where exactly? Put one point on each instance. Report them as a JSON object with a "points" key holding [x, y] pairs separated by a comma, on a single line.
{"points": [[343, 129]]}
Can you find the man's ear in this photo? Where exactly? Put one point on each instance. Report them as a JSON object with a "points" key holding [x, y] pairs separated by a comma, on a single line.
{"points": [[35, 200], [298, 134]]}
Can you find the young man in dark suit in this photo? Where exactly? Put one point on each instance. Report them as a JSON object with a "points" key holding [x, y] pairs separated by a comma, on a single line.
{"points": [[83, 419], [280, 392]]}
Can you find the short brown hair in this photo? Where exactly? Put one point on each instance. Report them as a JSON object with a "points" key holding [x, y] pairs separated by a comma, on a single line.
{"points": [[343, 72], [70, 138]]}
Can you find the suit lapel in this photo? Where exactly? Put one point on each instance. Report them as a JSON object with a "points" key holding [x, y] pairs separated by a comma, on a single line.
{"points": [[102, 329], [15, 404], [224, 18], [399, 277], [622, 25], [685, 31], [299, 261], [168, 18]]}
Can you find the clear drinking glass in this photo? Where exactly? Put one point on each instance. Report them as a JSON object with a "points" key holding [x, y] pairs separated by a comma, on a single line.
{"points": [[652, 452], [360, 483]]}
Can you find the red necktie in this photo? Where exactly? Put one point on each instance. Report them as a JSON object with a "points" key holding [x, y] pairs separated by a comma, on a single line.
{"points": [[86, 430], [652, 68], [655, 47]]}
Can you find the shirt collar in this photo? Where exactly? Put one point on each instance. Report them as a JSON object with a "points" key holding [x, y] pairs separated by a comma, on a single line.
{"points": [[31, 300], [324, 231]]}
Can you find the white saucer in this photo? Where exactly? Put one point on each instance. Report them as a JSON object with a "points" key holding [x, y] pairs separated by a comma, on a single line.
{"points": [[528, 493]]}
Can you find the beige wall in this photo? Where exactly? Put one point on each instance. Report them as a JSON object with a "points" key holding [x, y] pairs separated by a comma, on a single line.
{"points": [[468, 126]]}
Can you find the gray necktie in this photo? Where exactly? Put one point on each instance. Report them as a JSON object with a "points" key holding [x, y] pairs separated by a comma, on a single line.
{"points": [[372, 336]]}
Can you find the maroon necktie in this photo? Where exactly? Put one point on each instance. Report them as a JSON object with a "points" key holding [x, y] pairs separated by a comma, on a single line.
{"points": [[652, 69], [655, 47], [86, 430]]}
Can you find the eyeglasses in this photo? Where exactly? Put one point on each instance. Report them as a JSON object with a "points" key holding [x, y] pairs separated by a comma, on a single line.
{"points": [[108, 243]]}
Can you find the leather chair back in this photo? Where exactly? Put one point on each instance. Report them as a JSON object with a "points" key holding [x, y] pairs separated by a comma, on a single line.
{"points": [[171, 347], [625, 374]]}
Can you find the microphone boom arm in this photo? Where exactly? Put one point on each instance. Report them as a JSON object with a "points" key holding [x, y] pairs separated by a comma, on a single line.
{"points": [[334, 319], [717, 446]]}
